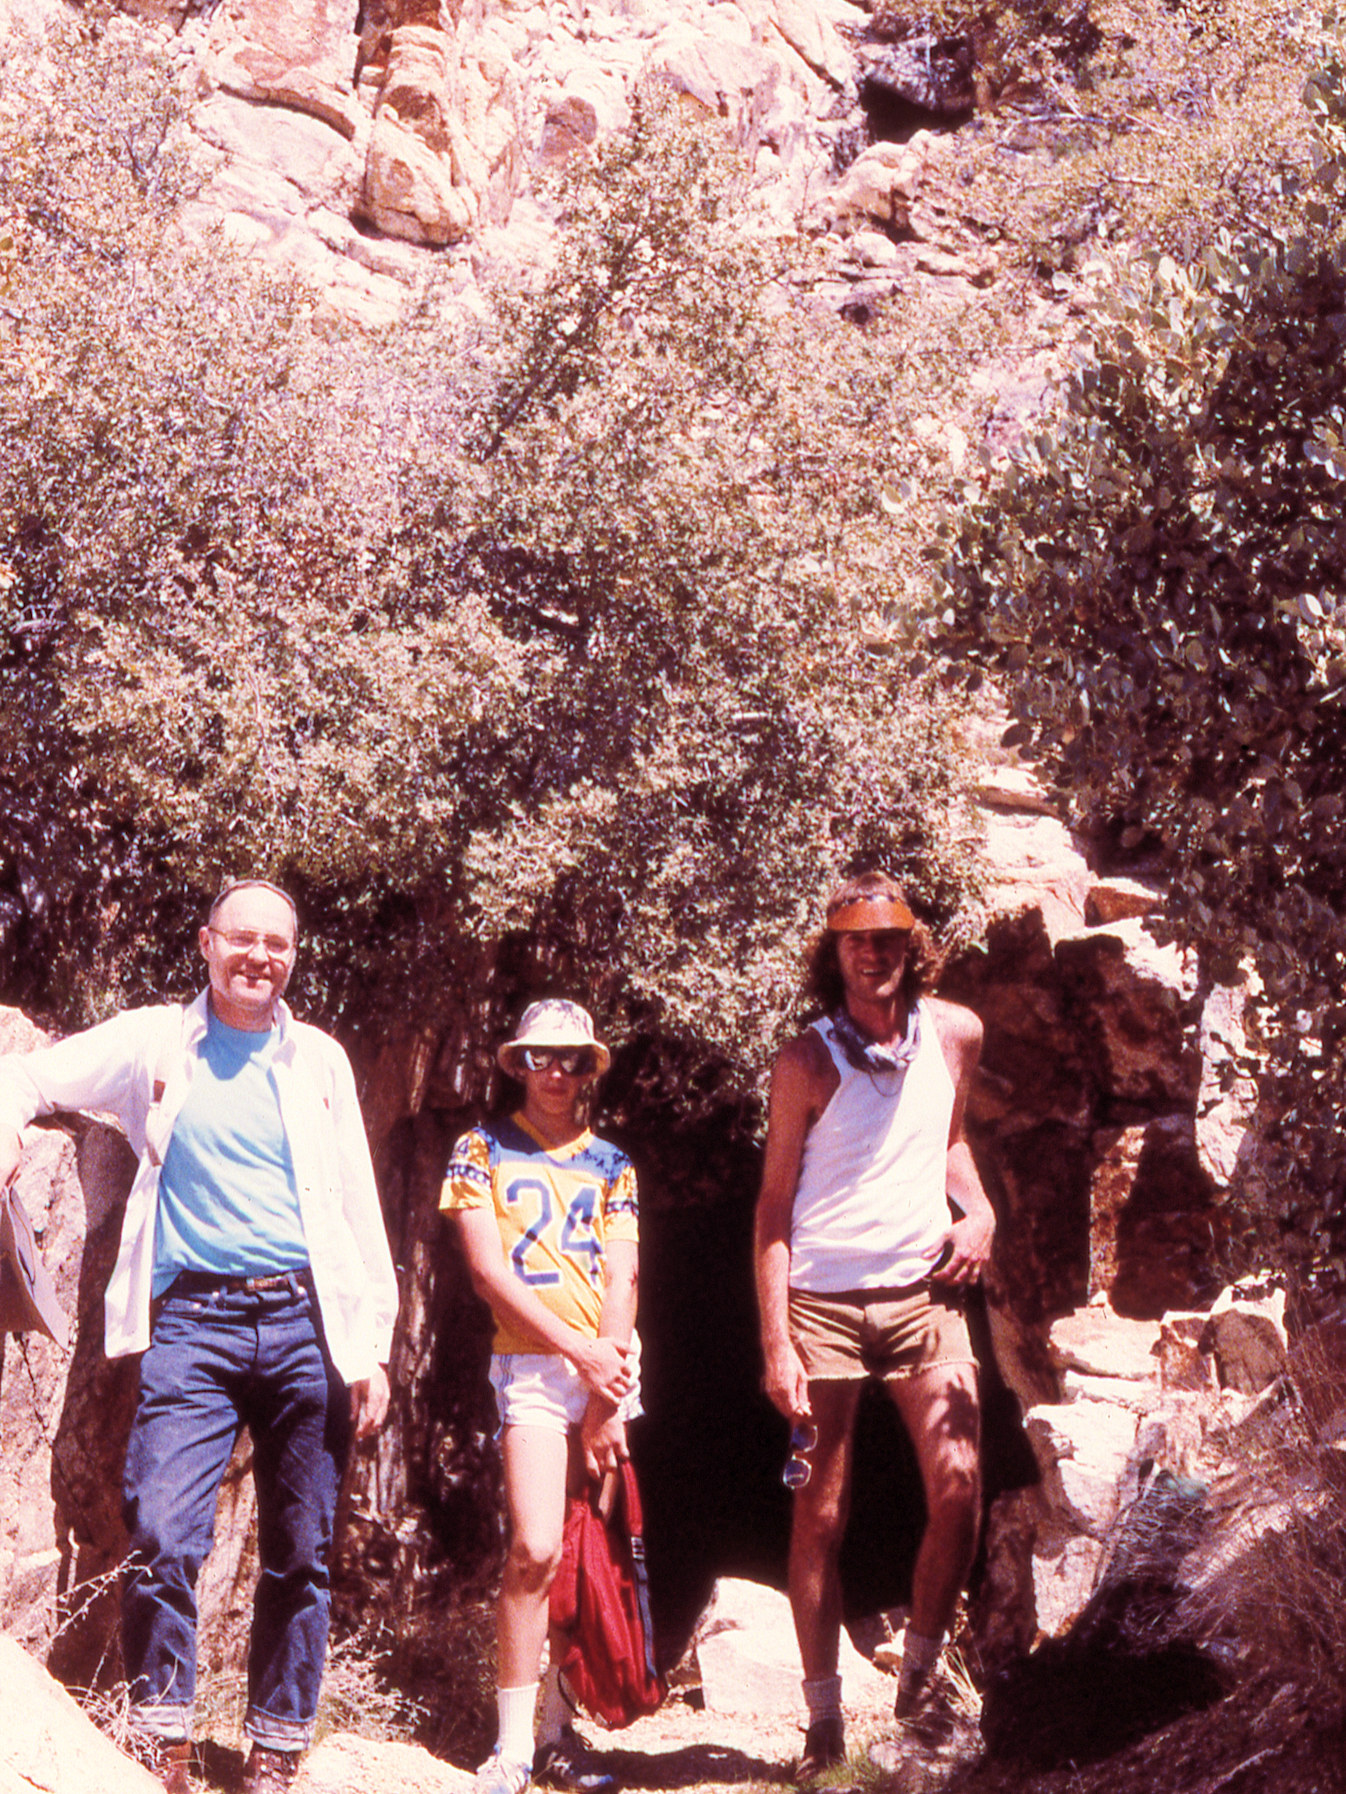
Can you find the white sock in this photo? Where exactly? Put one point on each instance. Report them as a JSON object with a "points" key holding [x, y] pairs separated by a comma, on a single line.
{"points": [[822, 1697], [515, 1708], [554, 1710]]}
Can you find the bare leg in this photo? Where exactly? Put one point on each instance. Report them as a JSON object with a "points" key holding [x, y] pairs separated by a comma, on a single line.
{"points": [[820, 1510], [535, 1500], [939, 1410]]}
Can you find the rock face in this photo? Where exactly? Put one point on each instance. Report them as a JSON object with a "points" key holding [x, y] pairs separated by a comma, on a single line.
{"points": [[1136, 1399], [64, 1418], [357, 143]]}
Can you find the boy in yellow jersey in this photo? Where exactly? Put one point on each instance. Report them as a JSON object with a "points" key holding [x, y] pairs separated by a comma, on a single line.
{"points": [[548, 1220]]}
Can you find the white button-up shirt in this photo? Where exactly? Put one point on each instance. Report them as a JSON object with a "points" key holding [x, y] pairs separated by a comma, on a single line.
{"points": [[139, 1066]]}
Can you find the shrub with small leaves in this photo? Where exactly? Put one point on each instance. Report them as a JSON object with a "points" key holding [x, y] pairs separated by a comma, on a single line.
{"points": [[1161, 574]]}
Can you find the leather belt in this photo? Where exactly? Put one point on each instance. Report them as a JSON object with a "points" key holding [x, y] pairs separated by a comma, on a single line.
{"points": [[206, 1283]]}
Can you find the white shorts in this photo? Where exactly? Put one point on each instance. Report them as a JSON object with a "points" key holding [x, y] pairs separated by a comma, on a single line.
{"points": [[544, 1389]]}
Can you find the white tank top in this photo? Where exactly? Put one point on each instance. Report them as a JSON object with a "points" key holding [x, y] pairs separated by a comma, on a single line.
{"points": [[871, 1209]]}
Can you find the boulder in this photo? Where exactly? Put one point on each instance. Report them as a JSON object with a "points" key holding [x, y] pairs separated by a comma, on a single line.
{"points": [[345, 1764], [298, 55], [1099, 1342], [1247, 1337], [1115, 899], [48, 1743], [749, 1658], [1083, 1448], [880, 184]]}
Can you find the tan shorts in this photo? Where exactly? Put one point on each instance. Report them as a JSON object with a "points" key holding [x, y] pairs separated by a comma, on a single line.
{"points": [[878, 1332]]}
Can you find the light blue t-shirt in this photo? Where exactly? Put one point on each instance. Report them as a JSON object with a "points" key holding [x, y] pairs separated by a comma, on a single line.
{"points": [[228, 1200]]}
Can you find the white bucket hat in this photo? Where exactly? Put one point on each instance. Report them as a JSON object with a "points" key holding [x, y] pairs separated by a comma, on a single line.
{"points": [[554, 1022]]}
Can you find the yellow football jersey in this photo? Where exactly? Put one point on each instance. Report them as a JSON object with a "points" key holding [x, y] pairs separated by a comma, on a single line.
{"points": [[557, 1209]]}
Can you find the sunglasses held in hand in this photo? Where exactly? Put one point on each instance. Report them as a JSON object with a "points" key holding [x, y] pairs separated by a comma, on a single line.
{"points": [[798, 1470]]}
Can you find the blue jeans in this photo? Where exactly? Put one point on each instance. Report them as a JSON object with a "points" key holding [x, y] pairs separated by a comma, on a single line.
{"points": [[217, 1361]]}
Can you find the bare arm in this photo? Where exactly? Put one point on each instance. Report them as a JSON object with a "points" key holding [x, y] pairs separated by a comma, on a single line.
{"points": [[968, 1241], [601, 1363], [798, 1095], [603, 1432]]}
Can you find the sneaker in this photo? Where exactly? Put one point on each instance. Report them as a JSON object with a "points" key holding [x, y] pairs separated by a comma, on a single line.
{"points": [[565, 1763], [170, 1759], [269, 1771], [500, 1775], [824, 1748]]}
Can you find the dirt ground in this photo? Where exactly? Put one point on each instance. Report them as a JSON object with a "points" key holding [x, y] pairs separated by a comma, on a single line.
{"points": [[683, 1746]]}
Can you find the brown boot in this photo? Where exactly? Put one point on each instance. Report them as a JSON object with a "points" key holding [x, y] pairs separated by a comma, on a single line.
{"points": [[269, 1771], [171, 1760]]}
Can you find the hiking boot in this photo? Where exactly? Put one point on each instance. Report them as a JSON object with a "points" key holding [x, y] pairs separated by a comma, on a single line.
{"points": [[501, 1775], [171, 1760], [565, 1763], [269, 1771], [824, 1748], [925, 1714]]}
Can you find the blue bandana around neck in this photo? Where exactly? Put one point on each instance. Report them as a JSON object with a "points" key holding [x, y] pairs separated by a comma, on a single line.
{"points": [[868, 1055]]}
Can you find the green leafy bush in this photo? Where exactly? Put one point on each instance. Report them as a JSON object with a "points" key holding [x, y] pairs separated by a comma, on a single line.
{"points": [[556, 634], [1160, 573]]}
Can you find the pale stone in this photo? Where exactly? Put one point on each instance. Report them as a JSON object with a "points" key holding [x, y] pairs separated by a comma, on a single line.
{"points": [[1113, 899], [718, 72], [277, 152], [874, 249], [409, 190], [1082, 1448], [346, 1764], [977, 266], [1065, 1571], [1136, 1398], [1014, 788], [292, 53], [48, 1746], [749, 1658], [1098, 1342], [1032, 863], [813, 36], [879, 184], [1248, 1337], [1227, 1098]]}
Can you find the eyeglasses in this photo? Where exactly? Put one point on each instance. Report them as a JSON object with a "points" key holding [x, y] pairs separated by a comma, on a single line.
{"points": [[239, 941], [572, 1060], [798, 1470]]}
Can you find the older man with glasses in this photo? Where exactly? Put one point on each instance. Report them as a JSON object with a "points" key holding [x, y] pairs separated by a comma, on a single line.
{"points": [[255, 1277], [870, 1223]]}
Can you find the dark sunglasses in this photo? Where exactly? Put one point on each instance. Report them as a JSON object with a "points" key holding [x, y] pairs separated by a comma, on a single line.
{"points": [[798, 1470], [572, 1060]]}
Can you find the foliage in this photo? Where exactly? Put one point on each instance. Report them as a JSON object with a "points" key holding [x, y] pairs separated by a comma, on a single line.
{"points": [[1160, 574], [557, 635]]}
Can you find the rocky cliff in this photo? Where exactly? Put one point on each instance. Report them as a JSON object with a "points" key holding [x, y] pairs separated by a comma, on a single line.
{"points": [[363, 146]]}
